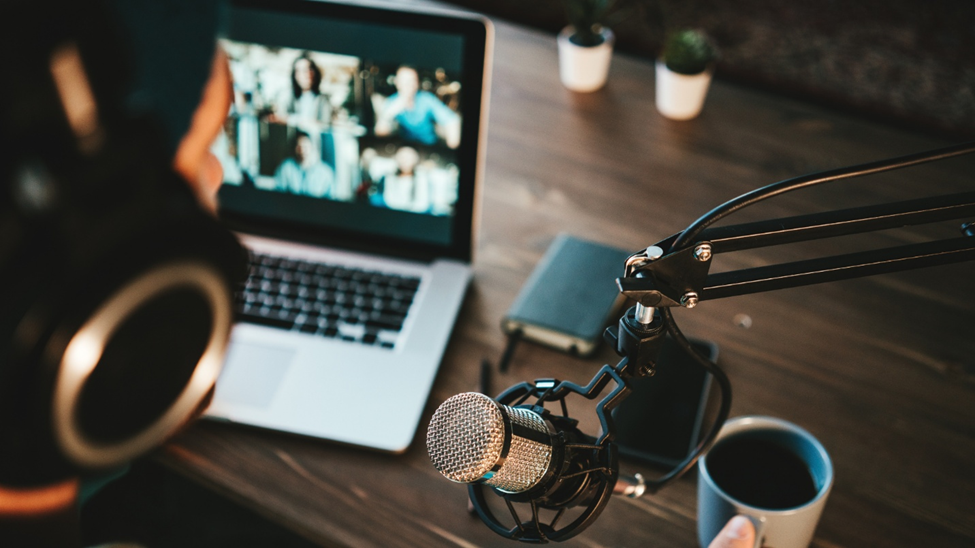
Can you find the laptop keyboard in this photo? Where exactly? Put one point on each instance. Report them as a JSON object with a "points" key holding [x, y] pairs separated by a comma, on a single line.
{"points": [[329, 300]]}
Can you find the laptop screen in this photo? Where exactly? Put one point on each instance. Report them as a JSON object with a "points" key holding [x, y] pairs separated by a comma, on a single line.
{"points": [[353, 126]]}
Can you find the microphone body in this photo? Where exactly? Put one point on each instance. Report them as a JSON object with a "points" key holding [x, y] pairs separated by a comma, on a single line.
{"points": [[524, 453]]}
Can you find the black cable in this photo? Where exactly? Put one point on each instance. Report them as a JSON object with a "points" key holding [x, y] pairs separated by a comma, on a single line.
{"points": [[688, 236], [724, 395]]}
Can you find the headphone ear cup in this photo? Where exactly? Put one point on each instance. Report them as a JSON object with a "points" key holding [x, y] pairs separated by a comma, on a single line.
{"points": [[142, 356], [140, 365], [116, 334]]}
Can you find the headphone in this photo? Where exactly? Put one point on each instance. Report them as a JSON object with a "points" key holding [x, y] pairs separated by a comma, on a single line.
{"points": [[115, 286]]}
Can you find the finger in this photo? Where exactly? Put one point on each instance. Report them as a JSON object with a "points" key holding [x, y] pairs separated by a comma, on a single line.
{"points": [[737, 533], [209, 181]]}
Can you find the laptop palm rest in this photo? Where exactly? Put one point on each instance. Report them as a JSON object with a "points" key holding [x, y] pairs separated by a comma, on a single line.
{"points": [[253, 373]]}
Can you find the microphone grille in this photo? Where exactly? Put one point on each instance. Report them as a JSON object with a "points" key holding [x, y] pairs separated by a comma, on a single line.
{"points": [[466, 437], [473, 438]]}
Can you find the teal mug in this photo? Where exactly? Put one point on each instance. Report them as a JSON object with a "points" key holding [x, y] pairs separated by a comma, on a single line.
{"points": [[769, 470]]}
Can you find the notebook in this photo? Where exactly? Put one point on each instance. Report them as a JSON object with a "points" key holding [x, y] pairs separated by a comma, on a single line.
{"points": [[352, 159]]}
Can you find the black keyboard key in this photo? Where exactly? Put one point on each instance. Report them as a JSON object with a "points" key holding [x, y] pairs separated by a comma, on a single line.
{"points": [[397, 307], [271, 321], [385, 321], [285, 314], [404, 296], [309, 328], [410, 283]]}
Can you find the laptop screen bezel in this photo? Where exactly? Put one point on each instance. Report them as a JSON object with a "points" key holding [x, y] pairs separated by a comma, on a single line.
{"points": [[475, 33]]}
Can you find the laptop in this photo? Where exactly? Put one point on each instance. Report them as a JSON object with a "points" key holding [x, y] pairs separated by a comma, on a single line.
{"points": [[352, 159]]}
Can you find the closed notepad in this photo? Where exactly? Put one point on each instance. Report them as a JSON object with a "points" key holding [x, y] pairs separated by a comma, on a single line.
{"points": [[569, 297]]}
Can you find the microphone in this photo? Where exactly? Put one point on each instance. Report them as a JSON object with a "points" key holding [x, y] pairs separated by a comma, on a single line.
{"points": [[527, 455], [474, 439]]}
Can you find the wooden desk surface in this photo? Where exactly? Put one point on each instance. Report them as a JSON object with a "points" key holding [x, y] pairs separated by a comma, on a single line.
{"points": [[881, 369]]}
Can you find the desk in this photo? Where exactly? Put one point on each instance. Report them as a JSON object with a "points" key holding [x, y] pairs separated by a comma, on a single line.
{"points": [[881, 369]]}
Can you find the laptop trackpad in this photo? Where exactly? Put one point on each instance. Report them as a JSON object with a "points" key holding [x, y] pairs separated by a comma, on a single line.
{"points": [[252, 373]]}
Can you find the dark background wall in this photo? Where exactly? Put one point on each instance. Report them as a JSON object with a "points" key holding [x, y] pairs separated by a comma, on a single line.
{"points": [[906, 62]]}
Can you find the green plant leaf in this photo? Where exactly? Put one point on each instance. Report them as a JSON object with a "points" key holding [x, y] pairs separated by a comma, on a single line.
{"points": [[587, 18], [688, 51]]}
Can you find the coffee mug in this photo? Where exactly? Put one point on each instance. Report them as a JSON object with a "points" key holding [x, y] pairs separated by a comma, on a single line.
{"points": [[769, 470]]}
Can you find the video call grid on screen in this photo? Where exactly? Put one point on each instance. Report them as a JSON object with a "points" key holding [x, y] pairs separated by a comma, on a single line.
{"points": [[344, 124]]}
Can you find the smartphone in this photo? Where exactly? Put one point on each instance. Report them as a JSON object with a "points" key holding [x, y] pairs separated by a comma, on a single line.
{"points": [[659, 423]]}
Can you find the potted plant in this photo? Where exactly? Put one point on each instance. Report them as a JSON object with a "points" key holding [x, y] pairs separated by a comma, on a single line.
{"points": [[586, 45], [684, 72]]}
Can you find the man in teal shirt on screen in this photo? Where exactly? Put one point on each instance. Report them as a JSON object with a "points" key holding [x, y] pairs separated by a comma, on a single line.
{"points": [[417, 115]]}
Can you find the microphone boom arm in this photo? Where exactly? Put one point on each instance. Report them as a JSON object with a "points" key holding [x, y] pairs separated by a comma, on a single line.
{"points": [[664, 277], [669, 279]]}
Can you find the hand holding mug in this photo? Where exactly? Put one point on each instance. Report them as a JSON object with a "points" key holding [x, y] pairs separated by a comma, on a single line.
{"points": [[768, 472], [737, 533]]}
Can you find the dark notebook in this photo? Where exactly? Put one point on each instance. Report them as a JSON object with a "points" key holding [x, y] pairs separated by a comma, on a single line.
{"points": [[569, 297]]}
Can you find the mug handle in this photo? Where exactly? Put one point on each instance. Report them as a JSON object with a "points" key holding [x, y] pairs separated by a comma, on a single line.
{"points": [[759, 523]]}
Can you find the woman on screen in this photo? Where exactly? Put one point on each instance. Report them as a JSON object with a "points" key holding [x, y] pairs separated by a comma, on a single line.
{"points": [[304, 105]]}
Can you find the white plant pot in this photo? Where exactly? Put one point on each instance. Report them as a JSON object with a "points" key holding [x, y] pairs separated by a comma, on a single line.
{"points": [[681, 96], [584, 68]]}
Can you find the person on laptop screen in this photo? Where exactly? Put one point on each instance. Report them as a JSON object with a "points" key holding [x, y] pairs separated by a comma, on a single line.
{"points": [[415, 114], [304, 105], [306, 173]]}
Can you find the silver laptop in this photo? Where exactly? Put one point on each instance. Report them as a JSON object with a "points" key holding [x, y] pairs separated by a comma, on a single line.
{"points": [[352, 159]]}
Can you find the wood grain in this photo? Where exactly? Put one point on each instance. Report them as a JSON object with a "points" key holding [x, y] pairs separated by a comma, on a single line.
{"points": [[880, 369]]}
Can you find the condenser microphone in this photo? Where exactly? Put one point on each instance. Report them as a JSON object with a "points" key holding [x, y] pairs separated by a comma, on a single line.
{"points": [[474, 439], [527, 455]]}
